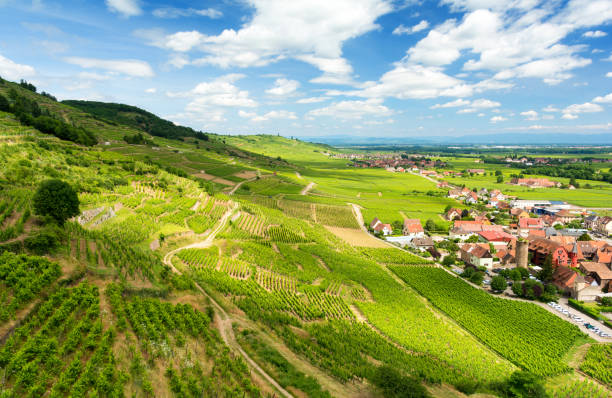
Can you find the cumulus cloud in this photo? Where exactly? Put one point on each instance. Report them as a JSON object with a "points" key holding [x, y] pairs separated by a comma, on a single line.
{"points": [[283, 87], [594, 34], [530, 115], [310, 30], [312, 100], [13, 71], [151, 90], [606, 99], [127, 8], [129, 67], [403, 30], [496, 119], [218, 92], [276, 114], [353, 109], [451, 104], [172, 12], [609, 74], [550, 108], [572, 111]]}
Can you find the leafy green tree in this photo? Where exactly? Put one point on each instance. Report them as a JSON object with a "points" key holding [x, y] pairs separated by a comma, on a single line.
{"points": [[584, 237], [430, 225], [547, 270], [4, 104], [500, 179], [498, 283], [57, 199], [517, 289], [449, 260], [498, 172], [525, 385], [393, 384], [477, 278]]}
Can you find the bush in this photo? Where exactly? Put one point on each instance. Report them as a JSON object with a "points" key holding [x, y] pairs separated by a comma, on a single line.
{"points": [[43, 242], [525, 385], [498, 283], [477, 278]]}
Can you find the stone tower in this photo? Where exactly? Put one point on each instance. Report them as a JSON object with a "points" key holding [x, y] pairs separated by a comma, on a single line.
{"points": [[522, 251]]}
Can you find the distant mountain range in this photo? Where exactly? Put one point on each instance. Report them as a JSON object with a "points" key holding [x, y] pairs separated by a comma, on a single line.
{"points": [[496, 139]]}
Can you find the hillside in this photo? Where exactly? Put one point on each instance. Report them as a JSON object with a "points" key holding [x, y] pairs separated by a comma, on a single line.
{"points": [[239, 267]]}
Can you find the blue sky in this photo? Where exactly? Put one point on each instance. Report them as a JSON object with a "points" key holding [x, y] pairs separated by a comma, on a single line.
{"points": [[319, 67]]}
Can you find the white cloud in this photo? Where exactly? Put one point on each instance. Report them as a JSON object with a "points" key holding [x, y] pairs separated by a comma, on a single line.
{"points": [[276, 114], [484, 103], [402, 30], [595, 34], [312, 100], [530, 115], [609, 74], [467, 110], [451, 104], [218, 92], [353, 109], [127, 8], [571, 112], [129, 67], [550, 108], [311, 30], [13, 71], [283, 87], [178, 61], [495, 5], [172, 12], [606, 99], [496, 119], [151, 90]]}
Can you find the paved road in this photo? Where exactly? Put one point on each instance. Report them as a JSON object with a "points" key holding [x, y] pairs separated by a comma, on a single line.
{"points": [[225, 321]]}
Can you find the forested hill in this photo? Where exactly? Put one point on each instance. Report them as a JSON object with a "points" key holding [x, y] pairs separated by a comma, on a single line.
{"points": [[135, 117]]}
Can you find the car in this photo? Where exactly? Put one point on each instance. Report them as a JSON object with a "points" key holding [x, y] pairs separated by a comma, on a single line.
{"points": [[588, 326]]}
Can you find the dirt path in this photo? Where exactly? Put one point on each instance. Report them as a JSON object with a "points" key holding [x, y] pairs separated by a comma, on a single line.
{"points": [[231, 192], [307, 188], [298, 175], [225, 321]]}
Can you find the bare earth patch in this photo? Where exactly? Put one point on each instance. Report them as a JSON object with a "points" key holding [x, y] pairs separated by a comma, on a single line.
{"points": [[246, 174], [205, 176], [224, 181], [356, 237]]}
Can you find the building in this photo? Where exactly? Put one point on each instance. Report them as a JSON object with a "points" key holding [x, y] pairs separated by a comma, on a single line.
{"points": [[374, 223], [385, 229], [453, 214], [497, 195], [465, 229], [453, 193], [526, 225], [586, 289], [476, 171], [564, 278], [471, 198], [599, 271], [529, 204], [413, 228], [535, 182], [495, 236], [540, 248], [519, 213], [477, 255], [604, 226], [590, 222], [424, 243]]}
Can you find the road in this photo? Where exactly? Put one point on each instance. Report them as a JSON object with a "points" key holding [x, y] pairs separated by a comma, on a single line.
{"points": [[225, 321]]}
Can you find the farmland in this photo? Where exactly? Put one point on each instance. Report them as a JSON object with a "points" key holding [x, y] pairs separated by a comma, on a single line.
{"points": [[169, 284]]}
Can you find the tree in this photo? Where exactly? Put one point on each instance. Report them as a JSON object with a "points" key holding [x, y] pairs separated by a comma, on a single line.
{"points": [[525, 385], [393, 384], [4, 104], [477, 278], [430, 225], [446, 209], [498, 172], [517, 289], [57, 199], [584, 237], [498, 283], [547, 269], [500, 179], [449, 260]]}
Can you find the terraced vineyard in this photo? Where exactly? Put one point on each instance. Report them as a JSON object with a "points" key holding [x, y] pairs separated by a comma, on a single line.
{"points": [[528, 335], [598, 363]]}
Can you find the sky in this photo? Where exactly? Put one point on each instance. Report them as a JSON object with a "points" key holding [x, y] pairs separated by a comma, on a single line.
{"points": [[310, 68]]}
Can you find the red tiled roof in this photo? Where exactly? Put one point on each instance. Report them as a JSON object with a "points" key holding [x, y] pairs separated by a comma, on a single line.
{"points": [[530, 223], [413, 225], [600, 269], [564, 277], [496, 236]]}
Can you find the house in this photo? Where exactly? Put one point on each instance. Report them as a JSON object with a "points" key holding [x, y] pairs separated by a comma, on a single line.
{"points": [[590, 222], [496, 194], [453, 214], [564, 278], [526, 204], [541, 248], [564, 216], [385, 229], [476, 171], [374, 223], [519, 213], [604, 226], [453, 193], [424, 243], [526, 225], [477, 255], [442, 184], [495, 236], [465, 191], [413, 228], [585, 289], [600, 272], [483, 192], [472, 198], [535, 182], [465, 229]]}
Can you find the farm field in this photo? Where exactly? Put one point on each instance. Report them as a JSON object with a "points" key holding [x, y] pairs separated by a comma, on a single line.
{"points": [[165, 283]]}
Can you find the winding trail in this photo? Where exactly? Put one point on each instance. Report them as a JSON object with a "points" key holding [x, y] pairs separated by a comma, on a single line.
{"points": [[307, 188], [225, 321]]}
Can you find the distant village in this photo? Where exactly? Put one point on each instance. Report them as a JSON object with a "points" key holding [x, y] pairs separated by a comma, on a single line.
{"points": [[529, 233]]}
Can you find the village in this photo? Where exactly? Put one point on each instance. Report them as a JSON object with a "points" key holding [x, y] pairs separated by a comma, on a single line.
{"points": [[543, 250]]}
